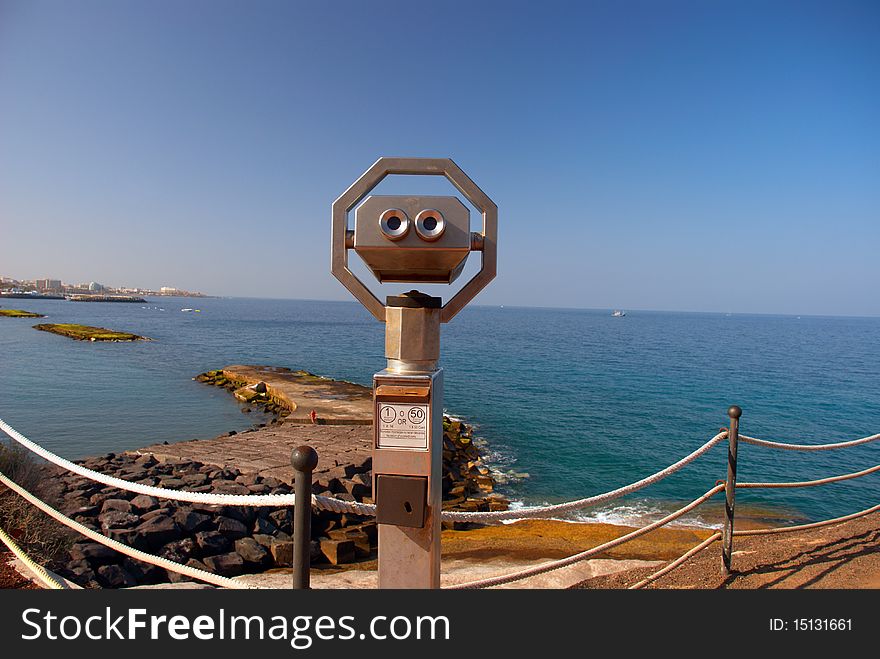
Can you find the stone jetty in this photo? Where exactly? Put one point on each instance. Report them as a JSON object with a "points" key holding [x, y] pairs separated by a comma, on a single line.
{"points": [[234, 540]]}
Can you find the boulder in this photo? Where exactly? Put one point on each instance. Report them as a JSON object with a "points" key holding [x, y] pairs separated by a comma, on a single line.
{"points": [[179, 551], [231, 528], [143, 503], [251, 551], [114, 576], [264, 526], [337, 552], [158, 531], [122, 505], [116, 519], [227, 565], [159, 512], [244, 514], [94, 553], [191, 521], [282, 553], [145, 573], [264, 540], [281, 518], [212, 542]]}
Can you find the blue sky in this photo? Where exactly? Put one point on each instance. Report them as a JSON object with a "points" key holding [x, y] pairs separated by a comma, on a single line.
{"points": [[685, 155]]}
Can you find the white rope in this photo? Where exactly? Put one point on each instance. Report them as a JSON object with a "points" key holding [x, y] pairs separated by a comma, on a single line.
{"points": [[814, 525], [571, 560], [543, 511], [819, 481], [340, 506], [38, 570], [195, 573], [808, 447], [677, 562], [326, 503]]}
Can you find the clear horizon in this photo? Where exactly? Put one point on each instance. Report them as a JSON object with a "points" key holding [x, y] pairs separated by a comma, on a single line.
{"points": [[676, 156]]}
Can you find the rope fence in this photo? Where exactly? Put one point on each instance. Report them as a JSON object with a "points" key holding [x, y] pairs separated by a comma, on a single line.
{"points": [[38, 570], [341, 506]]}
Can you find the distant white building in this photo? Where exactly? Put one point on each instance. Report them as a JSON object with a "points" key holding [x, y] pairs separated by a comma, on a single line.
{"points": [[95, 287], [168, 290]]}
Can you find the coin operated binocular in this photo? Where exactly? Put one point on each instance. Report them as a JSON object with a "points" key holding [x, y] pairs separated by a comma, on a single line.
{"points": [[411, 239]]}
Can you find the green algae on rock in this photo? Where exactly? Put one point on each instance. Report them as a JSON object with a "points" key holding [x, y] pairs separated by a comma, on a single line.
{"points": [[88, 333], [20, 313]]}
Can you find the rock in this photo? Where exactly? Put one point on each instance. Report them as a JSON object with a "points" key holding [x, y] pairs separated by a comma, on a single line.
{"points": [[121, 505], [113, 576], [361, 540], [116, 519], [282, 518], [227, 565], [99, 498], [356, 489], [158, 531], [159, 512], [282, 553], [245, 394], [179, 551], [264, 526], [145, 573], [143, 503], [364, 479], [128, 537], [264, 540], [260, 387], [195, 479], [80, 511], [251, 551], [247, 479], [212, 542], [244, 514], [191, 521], [231, 528], [228, 487], [338, 552], [93, 552], [146, 461]]}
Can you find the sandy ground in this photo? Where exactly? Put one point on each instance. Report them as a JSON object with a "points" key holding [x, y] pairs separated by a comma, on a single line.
{"points": [[841, 556], [845, 555]]}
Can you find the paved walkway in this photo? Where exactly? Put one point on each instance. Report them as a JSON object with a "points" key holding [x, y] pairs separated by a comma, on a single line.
{"points": [[267, 450]]}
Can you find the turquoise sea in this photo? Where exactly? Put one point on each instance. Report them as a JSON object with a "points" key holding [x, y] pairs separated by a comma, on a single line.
{"points": [[570, 402]]}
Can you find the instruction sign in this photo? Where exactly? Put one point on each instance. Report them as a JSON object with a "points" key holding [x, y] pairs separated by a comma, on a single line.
{"points": [[403, 425]]}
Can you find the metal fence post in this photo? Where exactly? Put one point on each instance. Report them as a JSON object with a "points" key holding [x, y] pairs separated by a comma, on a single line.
{"points": [[304, 460], [735, 412]]}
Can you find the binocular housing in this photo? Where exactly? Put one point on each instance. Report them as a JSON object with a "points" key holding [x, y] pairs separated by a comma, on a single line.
{"points": [[413, 239]]}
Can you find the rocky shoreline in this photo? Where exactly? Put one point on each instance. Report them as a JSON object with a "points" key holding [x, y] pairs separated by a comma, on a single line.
{"points": [[235, 540]]}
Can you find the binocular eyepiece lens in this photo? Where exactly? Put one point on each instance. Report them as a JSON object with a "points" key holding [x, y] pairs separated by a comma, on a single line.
{"points": [[394, 224], [430, 224]]}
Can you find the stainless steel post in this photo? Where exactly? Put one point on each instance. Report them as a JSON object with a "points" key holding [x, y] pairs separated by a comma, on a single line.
{"points": [[407, 451], [304, 460], [735, 412]]}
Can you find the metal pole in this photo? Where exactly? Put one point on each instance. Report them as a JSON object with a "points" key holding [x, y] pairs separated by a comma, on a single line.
{"points": [[735, 412], [304, 460]]}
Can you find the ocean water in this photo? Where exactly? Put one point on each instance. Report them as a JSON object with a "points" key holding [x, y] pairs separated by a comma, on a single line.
{"points": [[570, 403]]}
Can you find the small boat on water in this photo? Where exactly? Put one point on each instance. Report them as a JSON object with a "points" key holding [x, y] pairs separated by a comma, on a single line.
{"points": [[618, 313]]}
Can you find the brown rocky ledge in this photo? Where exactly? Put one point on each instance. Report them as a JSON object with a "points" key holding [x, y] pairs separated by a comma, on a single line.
{"points": [[234, 540]]}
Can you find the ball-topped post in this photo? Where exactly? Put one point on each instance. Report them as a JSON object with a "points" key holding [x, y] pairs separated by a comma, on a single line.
{"points": [[734, 412], [304, 459]]}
